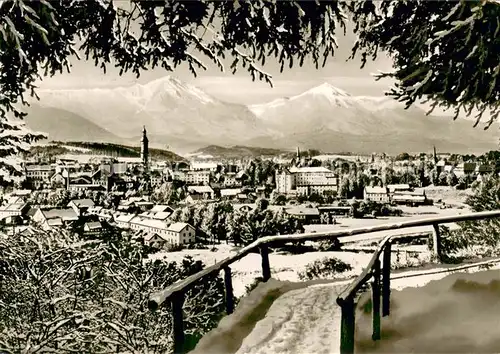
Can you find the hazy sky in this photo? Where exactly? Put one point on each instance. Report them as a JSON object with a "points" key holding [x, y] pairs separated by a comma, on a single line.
{"points": [[239, 88]]}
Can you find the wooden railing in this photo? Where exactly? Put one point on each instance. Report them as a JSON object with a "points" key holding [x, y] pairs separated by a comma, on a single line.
{"points": [[380, 274], [176, 292]]}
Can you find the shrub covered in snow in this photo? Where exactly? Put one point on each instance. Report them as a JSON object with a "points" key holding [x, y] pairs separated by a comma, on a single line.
{"points": [[62, 294], [325, 268]]}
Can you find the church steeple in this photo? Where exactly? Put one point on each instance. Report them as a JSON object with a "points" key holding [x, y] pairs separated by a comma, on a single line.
{"points": [[435, 155], [145, 148]]}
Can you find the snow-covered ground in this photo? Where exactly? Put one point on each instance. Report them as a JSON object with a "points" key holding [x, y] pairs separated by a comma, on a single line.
{"points": [[307, 319], [458, 314], [284, 267]]}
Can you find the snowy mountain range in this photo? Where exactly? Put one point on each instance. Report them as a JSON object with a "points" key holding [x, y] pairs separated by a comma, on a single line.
{"points": [[184, 117]]}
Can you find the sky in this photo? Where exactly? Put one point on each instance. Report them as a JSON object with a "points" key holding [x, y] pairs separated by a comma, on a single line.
{"points": [[240, 88]]}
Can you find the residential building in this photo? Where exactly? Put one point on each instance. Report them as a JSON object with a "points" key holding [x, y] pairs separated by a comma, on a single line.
{"points": [[54, 218], [411, 198], [306, 180], [177, 233], [13, 210], [230, 193], [204, 166], [92, 228], [376, 194], [181, 233], [81, 206], [206, 191], [308, 215], [158, 212], [393, 188], [122, 220], [231, 180], [38, 176], [197, 177]]}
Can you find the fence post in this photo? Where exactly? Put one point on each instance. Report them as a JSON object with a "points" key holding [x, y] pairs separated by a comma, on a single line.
{"points": [[229, 290], [386, 280], [178, 322], [347, 326], [436, 241], [376, 300], [266, 269]]}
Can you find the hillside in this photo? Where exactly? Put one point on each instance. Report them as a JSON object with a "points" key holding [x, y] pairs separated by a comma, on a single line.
{"points": [[238, 152], [110, 149], [61, 124]]}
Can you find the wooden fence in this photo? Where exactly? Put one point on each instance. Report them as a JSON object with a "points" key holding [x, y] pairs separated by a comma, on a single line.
{"points": [[380, 275], [379, 272]]}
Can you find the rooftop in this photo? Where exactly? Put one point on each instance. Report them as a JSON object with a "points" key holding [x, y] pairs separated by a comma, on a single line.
{"points": [[309, 170]]}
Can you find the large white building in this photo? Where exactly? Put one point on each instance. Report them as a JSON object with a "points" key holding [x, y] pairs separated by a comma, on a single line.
{"points": [[376, 194], [157, 230], [306, 180]]}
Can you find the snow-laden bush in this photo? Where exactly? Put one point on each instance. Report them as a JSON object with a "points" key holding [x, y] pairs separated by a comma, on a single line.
{"points": [[61, 294], [326, 268]]}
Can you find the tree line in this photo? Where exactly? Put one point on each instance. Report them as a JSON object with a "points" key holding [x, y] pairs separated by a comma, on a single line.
{"points": [[220, 221]]}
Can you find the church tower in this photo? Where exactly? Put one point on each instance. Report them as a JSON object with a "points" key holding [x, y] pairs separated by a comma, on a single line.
{"points": [[145, 149]]}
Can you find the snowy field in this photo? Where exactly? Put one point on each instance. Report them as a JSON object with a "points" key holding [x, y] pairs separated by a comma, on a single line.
{"points": [[307, 319], [286, 267], [283, 267]]}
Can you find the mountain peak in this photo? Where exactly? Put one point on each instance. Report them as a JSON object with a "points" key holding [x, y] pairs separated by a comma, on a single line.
{"points": [[327, 89]]}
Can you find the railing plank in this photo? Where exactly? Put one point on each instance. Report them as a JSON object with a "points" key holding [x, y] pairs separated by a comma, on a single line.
{"points": [[386, 280], [376, 301], [178, 322], [266, 268], [347, 326], [229, 290]]}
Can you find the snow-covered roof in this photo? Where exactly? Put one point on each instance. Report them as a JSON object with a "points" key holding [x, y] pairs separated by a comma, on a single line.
{"points": [[124, 217], [376, 190], [309, 170], [229, 192], [39, 167], [93, 225], [302, 211], [83, 202], [203, 165], [161, 215], [158, 224], [408, 197], [63, 214], [200, 189], [179, 226], [161, 208], [393, 187]]}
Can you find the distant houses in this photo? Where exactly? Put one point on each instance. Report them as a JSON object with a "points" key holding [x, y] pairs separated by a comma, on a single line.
{"points": [[396, 194]]}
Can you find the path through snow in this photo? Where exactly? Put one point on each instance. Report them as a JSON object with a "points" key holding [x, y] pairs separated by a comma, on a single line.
{"points": [[300, 321], [307, 320]]}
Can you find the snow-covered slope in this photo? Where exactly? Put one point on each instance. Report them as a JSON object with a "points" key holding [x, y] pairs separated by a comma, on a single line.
{"points": [[331, 119], [167, 106]]}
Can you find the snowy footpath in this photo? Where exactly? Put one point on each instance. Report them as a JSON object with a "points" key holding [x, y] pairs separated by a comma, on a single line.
{"points": [[301, 320]]}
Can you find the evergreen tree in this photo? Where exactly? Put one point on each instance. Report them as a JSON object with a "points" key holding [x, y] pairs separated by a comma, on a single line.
{"points": [[438, 47]]}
